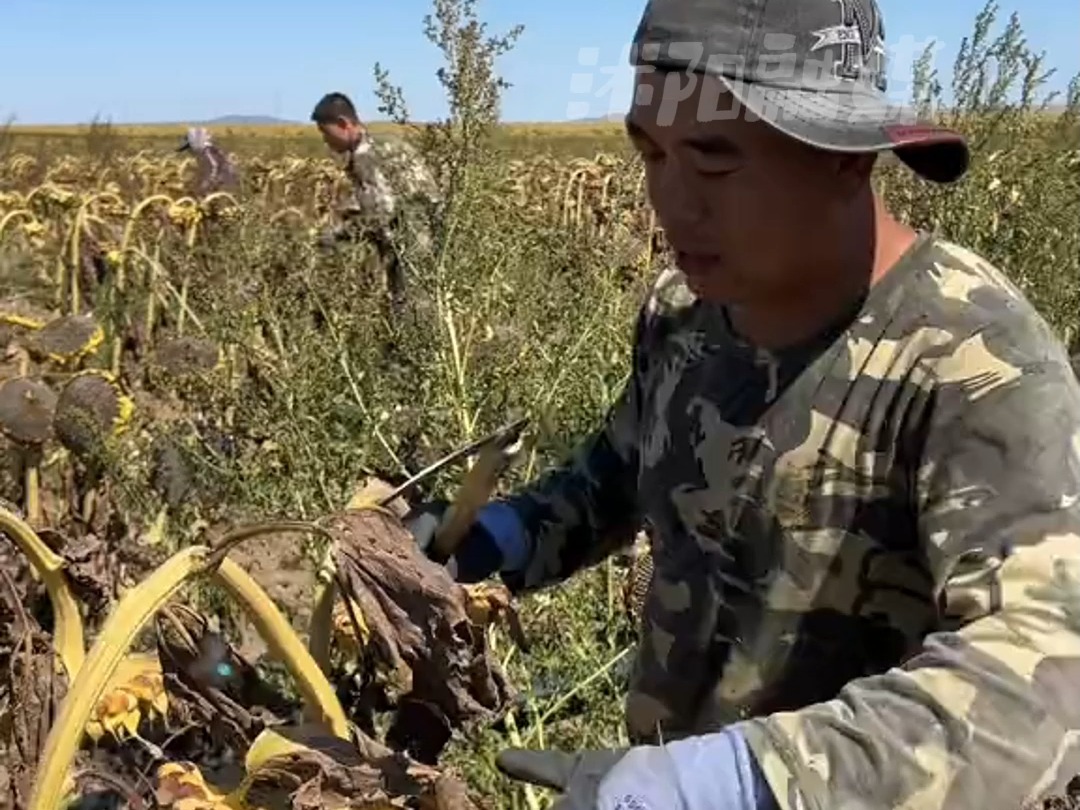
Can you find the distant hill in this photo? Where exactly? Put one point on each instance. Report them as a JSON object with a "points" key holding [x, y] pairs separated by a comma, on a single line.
{"points": [[248, 121], [221, 121], [603, 119]]}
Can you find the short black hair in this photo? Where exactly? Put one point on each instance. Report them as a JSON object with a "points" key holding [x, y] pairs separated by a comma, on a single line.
{"points": [[333, 106]]}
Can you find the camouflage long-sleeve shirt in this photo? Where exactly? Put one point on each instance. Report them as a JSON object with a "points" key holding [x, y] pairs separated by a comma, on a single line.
{"points": [[391, 185], [869, 544]]}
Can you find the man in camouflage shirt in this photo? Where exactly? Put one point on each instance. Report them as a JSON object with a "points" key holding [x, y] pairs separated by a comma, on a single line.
{"points": [[394, 199], [858, 447]]}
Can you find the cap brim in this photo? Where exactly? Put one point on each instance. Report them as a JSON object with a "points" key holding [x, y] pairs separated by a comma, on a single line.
{"points": [[856, 121]]}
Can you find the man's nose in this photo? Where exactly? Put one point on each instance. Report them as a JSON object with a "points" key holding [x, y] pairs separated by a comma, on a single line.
{"points": [[677, 195]]}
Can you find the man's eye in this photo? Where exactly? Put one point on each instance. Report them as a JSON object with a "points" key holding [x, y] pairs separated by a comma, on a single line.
{"points": [[714, 167], [715, 157], [647, 149], [717, 163]]}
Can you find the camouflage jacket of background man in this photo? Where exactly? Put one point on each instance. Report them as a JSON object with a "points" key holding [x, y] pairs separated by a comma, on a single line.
{"points": [[867, 546], [392, 188]]}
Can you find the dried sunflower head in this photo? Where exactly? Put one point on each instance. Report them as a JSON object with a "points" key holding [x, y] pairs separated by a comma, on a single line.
{"points": [[181, 786], [91, 409], [116, 714], [67, 339], [27, 408], [18, 320]]}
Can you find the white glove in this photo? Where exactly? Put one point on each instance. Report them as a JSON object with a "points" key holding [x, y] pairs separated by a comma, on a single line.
{"points": [[710, 772]]}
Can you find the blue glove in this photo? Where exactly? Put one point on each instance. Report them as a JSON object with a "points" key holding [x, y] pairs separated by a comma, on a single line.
{"points": [[497, 540]]}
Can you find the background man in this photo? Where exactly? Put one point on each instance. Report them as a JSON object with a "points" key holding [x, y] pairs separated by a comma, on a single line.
{"points": [[856, 444], [214, 171], [392, 188]]}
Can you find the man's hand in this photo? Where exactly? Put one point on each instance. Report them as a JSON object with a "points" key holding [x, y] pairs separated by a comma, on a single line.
{"points": [[715, 771], [483, 550], [423, 520], [577, 776]]}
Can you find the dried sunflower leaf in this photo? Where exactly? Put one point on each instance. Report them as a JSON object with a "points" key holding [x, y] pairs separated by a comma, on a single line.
{"points": [[325, 773], [418, 620]]}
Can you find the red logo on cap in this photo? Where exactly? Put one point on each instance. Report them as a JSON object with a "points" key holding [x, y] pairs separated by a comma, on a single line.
{"points": [[905, 133]]}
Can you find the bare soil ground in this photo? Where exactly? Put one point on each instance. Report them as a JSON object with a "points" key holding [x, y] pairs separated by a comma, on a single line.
{"points": [[281, 566]]}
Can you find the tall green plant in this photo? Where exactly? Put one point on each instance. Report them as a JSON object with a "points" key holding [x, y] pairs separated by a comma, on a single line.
{"points": [[1024, 154], [458, 283], [458, 144]]}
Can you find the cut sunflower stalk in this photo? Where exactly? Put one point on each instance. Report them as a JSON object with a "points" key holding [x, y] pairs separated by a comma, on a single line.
{"points": [[135, 609]]}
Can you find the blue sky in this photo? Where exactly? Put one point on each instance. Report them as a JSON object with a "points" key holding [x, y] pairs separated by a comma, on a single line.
{"points": [[65, 61]]}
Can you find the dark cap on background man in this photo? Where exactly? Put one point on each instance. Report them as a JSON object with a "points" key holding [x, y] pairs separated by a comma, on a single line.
{"points": [[813, 69]]}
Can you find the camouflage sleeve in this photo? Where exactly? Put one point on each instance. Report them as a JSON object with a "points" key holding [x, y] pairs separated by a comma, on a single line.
{"points": [[585, 510], [378, 202], [986, 714], [412, 176], [421, 201]]}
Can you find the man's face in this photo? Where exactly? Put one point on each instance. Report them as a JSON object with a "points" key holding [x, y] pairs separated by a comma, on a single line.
{"points": [[340, 134], [745, 208]]}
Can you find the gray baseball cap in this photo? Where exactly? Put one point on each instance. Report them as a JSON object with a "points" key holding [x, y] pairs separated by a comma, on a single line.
{"points": [[813, 69]]}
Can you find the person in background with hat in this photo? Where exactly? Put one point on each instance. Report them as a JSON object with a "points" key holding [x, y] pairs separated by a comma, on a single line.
{"points": [[856, 444], [393, 193], [214, 171]]}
